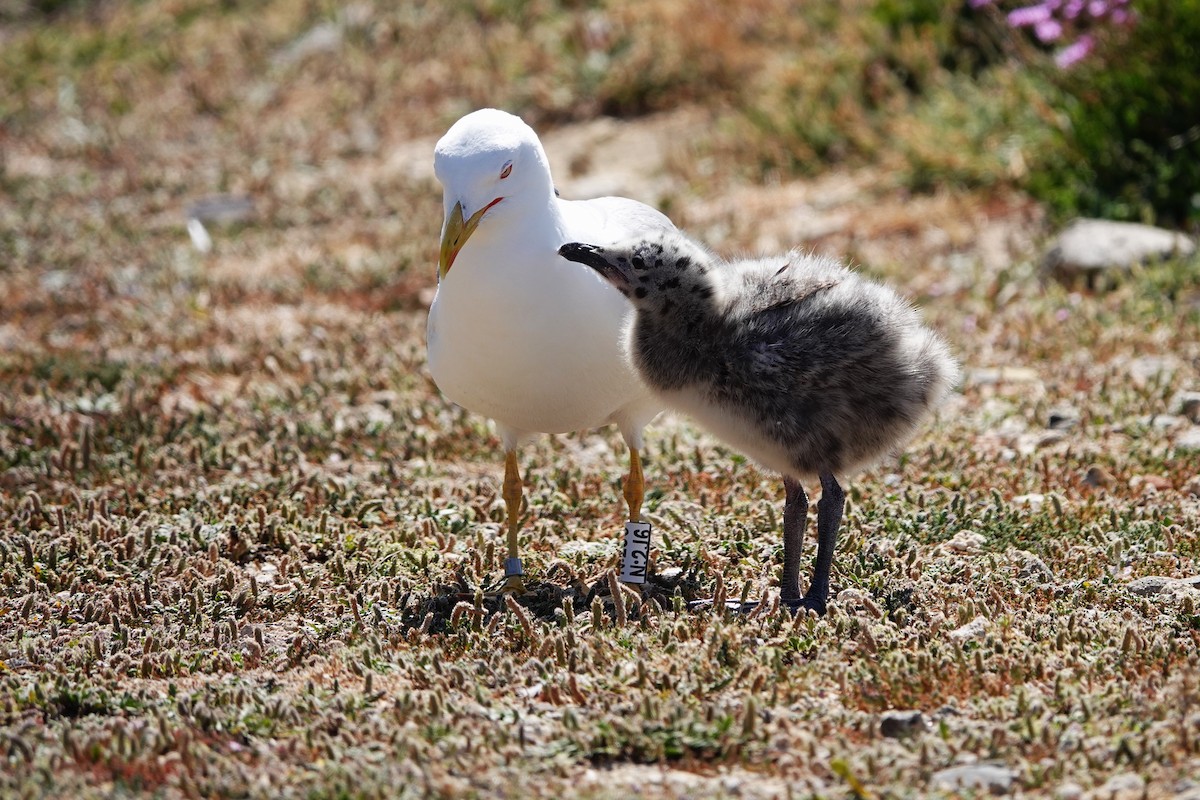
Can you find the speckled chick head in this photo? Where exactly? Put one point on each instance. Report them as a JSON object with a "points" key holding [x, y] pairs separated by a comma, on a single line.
{"points": [[666, 275]]}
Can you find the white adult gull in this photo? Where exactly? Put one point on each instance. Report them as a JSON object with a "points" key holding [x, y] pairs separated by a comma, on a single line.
{"points": [[517, 333]]}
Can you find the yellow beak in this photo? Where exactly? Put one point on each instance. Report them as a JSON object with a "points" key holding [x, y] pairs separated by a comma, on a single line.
{"points": [[456, 233]]}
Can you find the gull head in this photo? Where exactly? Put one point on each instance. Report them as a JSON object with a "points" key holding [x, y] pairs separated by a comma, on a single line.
{"points": [[489, 163], [664, 274]]}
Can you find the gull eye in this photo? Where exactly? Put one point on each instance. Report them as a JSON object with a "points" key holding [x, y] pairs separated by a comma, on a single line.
{"points": [[506, 171]]}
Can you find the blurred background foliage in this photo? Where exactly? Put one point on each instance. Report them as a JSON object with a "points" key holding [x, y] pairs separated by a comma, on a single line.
{"points": [[937, 92]]}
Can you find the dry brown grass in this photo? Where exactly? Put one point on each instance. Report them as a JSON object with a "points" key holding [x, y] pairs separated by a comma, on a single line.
{"points": [[243, 535]]}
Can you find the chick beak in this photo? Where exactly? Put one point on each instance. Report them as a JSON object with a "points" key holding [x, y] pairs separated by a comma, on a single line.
{"points": [[594, 257], [455, 234]]}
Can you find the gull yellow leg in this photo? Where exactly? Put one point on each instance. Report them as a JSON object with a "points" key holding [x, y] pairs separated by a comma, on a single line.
{"points": [[635, 486], [512, 504]]}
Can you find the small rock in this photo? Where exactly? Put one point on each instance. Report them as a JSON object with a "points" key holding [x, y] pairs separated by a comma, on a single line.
{"points": [[851, 596], [1032, 566], [1151, 585], [1033, 501], [1188, 404], [1062, 418], [1188, 439], [972, 630], [1164, 422], [993, 778], [1150, 483], [966, 541], [1124, 786], [1144, 369], [986, 376], [530, 691], [1099, 477], [1189, 791], [1028, 443], [897, 724], [1089, 246], [1068, 791], [1192, 487]]}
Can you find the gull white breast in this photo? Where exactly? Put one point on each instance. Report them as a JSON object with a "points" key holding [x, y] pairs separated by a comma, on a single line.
{"points": [[515, 332]]}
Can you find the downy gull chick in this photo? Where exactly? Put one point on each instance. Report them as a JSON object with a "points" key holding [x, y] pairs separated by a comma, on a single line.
{"points": [[808, 368]]}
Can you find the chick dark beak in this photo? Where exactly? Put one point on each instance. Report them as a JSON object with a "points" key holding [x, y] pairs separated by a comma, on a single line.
{"points": [[595, 257]]}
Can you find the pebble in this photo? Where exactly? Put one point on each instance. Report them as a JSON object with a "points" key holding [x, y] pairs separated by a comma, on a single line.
{"points": [[1144, 369], [986, 376], [990, 777], [1124, 786], [1062, 418], [1151, 585], [1149, 483], [1068, 791], [966, 541], [972, 630], [1089, 246], [898, 724], [1032, 566], [1188, 791], [1189, 406], [1188, 439], [1099, 477], [1164, 422]]}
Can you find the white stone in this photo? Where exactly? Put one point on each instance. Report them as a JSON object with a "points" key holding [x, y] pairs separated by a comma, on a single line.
{"points": [[989, 777], [972, 630], [1188, 439], [966, 541], [1091, 245]]}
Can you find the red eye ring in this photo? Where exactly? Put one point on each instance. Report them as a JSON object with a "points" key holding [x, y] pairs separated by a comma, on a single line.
{"points": [[504, 173]]}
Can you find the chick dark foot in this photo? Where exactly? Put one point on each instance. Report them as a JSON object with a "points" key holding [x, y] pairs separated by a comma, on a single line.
{"points": [[798, 604]]}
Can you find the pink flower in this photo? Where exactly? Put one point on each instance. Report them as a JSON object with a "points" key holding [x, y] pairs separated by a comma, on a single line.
{"points": [[1048, 30], [1029, 15], [1097, 7], [1074, 52]]}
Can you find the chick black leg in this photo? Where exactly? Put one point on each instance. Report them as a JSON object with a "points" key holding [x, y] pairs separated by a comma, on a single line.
{"points": [[795, 518], [829, 517]]}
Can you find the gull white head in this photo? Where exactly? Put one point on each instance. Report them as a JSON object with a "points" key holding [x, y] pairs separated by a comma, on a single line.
{"points": [[489, 164]]}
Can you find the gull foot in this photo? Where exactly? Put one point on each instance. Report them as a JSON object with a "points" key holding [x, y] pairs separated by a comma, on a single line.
{"points": [[509, 584]]}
